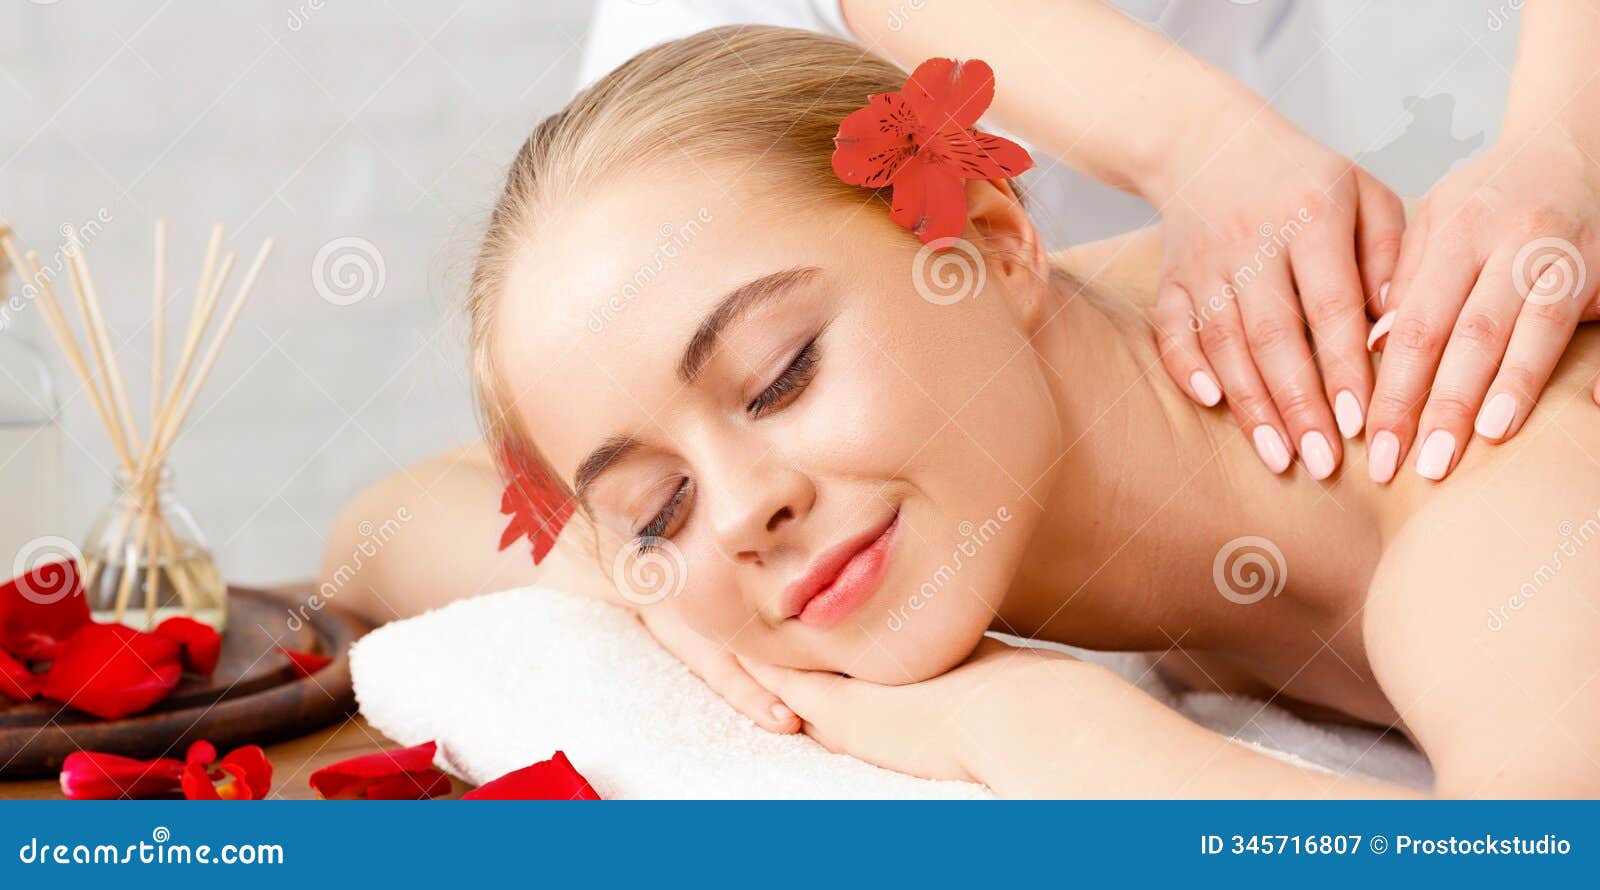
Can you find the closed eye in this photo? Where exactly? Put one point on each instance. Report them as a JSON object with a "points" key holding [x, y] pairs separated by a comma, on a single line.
{"points": [[793, 379]]}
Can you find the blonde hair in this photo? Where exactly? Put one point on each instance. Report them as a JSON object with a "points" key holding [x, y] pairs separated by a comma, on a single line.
{"points": [[768, 95]]}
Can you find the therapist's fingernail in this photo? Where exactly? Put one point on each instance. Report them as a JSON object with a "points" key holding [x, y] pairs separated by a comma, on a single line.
{"points": [[1382, 456], [1319, 457], [1204, 388], [1269, 445], [1383, 296], [781, 714], [1380, 329], [1347, 411], [1496, 417], [1437, 450]]}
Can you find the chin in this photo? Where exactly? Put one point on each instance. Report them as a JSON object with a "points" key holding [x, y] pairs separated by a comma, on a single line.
{"points": [[922, 643]]}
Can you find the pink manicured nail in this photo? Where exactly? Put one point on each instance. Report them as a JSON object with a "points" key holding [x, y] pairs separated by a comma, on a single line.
{"points": [[1382, 456], [1495, 418], [1434, 459], [1271, 448], [1383, 296], [1318, 456], [1205, 389], [1347, 411], [1380, 329], [781, 714]]}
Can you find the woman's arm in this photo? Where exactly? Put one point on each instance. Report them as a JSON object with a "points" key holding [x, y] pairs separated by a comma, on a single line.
{"points": [[1031, 723], [1268, 232]]}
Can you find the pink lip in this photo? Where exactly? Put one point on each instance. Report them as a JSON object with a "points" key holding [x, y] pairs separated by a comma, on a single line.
{"points": [[843, 579]]}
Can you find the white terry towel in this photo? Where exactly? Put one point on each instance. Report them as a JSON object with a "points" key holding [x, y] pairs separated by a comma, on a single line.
{"points": [[503, 680]]}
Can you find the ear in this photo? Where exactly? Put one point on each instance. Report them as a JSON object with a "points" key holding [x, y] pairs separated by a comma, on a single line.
{"points": [[1012, 245]]}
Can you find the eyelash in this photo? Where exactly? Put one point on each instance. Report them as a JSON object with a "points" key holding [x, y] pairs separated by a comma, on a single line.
{"points": [[794, 378]]}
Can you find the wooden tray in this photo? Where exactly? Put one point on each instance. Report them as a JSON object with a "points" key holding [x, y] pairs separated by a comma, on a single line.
{"points": [[252, 698]]}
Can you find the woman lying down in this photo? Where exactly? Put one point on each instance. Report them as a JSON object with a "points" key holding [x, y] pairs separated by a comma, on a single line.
{"points": [[856, 476]]}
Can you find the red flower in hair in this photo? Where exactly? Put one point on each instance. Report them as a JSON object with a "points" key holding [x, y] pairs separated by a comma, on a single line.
{"points": [[920, 141], [537, 506]]}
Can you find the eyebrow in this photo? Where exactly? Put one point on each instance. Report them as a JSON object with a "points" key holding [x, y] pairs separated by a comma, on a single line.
{"points": [[696, 354]]}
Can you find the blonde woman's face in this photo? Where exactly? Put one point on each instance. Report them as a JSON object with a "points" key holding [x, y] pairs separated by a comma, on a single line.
{"points": [[788, 434]]}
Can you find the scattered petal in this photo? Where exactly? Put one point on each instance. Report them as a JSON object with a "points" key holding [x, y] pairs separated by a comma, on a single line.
{"points": [[397, 774], [40, 608], [244, 774], [553, 779], [111, 671], [17, 683], [304, 664], [202, 645], [89, 775]]}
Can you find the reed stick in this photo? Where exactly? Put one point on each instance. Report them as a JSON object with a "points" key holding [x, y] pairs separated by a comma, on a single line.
{"points": [[158, 321], [96, 323]]}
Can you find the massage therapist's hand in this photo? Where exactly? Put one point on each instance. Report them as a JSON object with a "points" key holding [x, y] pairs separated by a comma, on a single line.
{"points": [[721, 670], [1275, 249], [1499, 266], [929, 729]]}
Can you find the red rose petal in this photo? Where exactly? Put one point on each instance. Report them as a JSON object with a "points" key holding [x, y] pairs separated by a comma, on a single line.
{"points": [[304, 664], [553, 779], [202, 645], [88, 775], [17, 683], [397, 774], [111, 671], [244, 774], [40, 609]]}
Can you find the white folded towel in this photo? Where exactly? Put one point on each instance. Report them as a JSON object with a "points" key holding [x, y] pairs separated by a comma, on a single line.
{"points": [[503, 680]]}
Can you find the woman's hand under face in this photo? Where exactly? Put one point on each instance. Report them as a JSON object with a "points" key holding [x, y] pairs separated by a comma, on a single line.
{"points": [[721, 670], [1269, 234], [1498, 267], [928, 729]]}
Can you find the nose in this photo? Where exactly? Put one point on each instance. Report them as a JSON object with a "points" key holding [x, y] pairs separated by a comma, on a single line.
{"points": [[755, 505]]}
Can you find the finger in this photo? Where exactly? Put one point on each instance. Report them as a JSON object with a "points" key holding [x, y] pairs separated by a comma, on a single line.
{"points": [[1380, 232], [1277, 338], [1222, 337], [1180, 347], [1413, 244], [722, 671], [1329, 284], [1546, 320], [813, 695], [1477, 343], [1418, 330]]}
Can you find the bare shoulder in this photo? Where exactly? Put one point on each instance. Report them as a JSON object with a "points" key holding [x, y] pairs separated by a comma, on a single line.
{"points": [[420, 538], [1481, 618]]}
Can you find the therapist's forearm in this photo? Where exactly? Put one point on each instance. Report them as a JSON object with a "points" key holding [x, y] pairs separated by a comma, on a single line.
{"points": [[1079, 80], [1555, 82]]}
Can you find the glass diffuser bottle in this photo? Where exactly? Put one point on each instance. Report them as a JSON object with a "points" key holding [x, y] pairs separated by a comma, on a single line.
{"points": [[146, 560]]}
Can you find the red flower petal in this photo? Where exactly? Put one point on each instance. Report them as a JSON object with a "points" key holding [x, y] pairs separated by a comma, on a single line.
{"points": [[40, 609], [973, 155], [111, 671], [876, 142], [87, 775], [553, 779], [945, 91], [201, 643], [537, 506], [16, 681], [930, 201], [397, 774], [304, 664], [244, 774]]}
